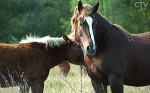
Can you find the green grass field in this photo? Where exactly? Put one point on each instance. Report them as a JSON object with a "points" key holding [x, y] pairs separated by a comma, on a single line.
{"points": [[72, 84]]}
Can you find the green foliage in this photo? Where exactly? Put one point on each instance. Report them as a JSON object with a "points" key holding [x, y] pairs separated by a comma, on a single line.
{"points": [[40, 17], [47, 17], [124, 13]]}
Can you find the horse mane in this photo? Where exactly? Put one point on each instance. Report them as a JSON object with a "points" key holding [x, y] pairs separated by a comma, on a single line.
{"points": [[48, 41], [71, 35], [120, 28], [74, 18]]}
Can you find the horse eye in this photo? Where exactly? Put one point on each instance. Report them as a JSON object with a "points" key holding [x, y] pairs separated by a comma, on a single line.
{"points": [[81, 24]]}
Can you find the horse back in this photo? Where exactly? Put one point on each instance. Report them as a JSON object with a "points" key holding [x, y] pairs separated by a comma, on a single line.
{"points": [[137, 71], [19, 60]]}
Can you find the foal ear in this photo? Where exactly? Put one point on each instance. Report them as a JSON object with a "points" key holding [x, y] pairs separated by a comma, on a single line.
{"points": [[80, 6], [66, 38], [95, 7]]}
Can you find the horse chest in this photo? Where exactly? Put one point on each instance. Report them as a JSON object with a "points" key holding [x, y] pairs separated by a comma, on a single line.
{"points": [[95, 70]]}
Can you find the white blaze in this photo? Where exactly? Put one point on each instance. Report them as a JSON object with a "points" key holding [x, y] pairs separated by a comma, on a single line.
{"points": [[89, 20]]}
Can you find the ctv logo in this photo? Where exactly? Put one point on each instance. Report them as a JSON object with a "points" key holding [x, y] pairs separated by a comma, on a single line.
{"points": [[142, 6]]}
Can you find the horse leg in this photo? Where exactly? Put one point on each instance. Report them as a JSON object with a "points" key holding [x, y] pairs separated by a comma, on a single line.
{"points": [[64, 68], [116, 83], [37, 86], [99, 87]]}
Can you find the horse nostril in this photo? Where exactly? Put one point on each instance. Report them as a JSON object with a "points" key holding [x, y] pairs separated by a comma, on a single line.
{"points": [[88, 49]]}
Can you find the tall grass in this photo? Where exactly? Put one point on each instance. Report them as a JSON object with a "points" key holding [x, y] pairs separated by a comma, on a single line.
{"points": [[72, 84]]}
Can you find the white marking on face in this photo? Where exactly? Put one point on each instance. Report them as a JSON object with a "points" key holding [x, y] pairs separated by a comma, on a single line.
{"points": [[89, 20]]}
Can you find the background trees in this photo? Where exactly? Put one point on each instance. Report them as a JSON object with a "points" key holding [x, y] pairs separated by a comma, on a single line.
{"points": [[19, 18]]}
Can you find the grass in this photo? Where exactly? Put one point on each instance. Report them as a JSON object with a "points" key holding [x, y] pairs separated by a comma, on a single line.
{"points": [[72, 84]]}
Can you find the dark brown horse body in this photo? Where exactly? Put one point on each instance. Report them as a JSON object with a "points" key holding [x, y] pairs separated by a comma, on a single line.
{"points": [[120, 57], [28, 64]]}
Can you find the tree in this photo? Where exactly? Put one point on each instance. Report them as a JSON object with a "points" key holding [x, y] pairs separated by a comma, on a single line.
{"points": [[19, 18], [40, 17], [123, 13]]}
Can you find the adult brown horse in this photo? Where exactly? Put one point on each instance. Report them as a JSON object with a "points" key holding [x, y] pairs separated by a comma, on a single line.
{"points": [[112, 55], [28, 64]]}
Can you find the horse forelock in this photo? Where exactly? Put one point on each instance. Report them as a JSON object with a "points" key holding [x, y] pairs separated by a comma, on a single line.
{"points": [[48, 41], [87, 9]]}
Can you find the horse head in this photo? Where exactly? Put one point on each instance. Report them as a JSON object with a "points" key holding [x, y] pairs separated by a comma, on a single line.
{"points": [[74, 52], [84, 24]]}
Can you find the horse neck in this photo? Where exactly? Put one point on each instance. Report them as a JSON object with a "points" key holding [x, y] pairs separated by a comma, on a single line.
{"points": [[76, 57], [64, 52], [103, 24], [71, 53], [54, 55], [107, 33]]}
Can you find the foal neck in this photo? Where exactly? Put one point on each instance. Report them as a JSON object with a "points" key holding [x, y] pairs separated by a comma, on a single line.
{"points": [[56, 55]]}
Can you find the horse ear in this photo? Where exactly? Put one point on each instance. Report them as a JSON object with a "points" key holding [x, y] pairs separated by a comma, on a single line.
{"points": [[80, 6], [95, 7], [66, 38]]}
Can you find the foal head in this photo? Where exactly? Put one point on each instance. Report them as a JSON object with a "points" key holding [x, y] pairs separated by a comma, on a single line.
{"points": [[57, 50], [74, 53], [83, 24]]}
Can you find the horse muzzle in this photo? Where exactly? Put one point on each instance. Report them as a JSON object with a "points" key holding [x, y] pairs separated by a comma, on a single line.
{"points": [[90, 51]]}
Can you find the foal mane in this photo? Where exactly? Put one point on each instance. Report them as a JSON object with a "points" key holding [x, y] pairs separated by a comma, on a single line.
{"points": [[48, 41]]}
